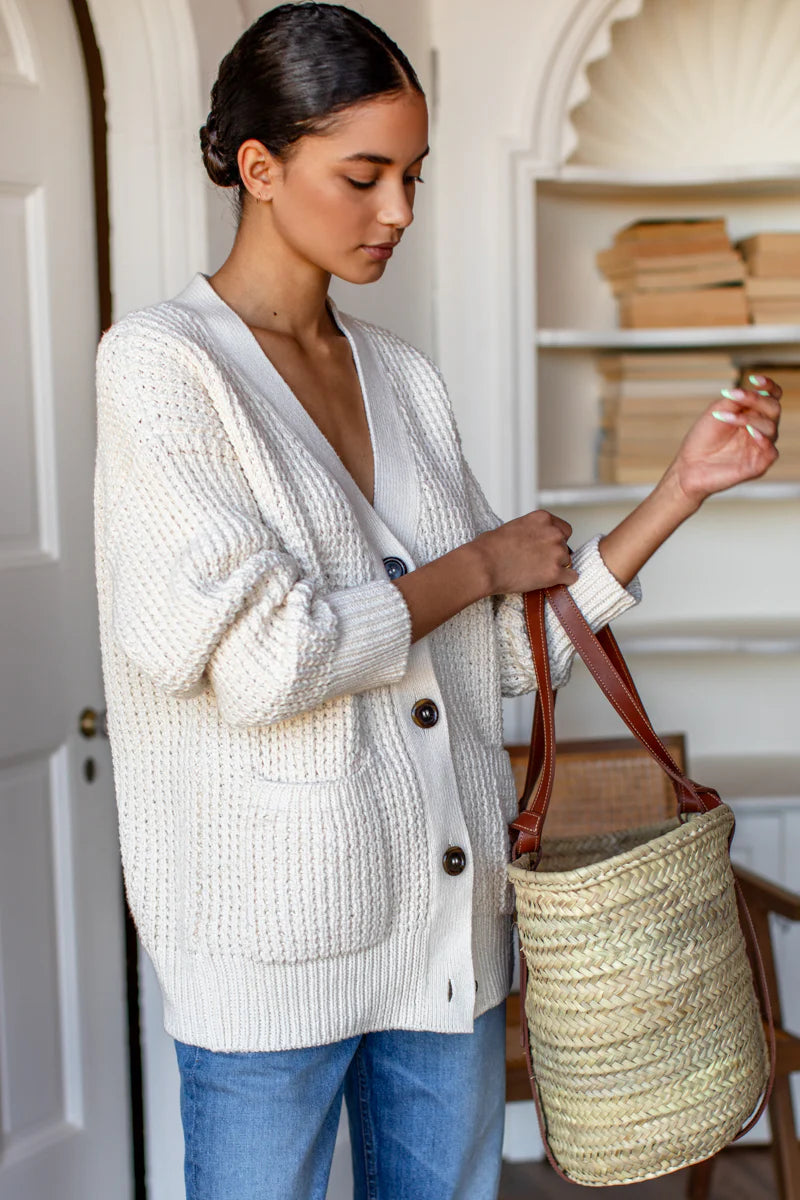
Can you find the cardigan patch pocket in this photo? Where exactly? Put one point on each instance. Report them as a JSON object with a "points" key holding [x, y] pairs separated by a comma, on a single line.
{"points": [[315, 869]]}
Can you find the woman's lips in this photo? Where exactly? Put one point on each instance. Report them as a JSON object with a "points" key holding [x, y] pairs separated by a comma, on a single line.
{"points": [[379, 253]]}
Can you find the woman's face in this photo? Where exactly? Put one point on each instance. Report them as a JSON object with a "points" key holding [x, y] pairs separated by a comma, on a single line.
{"points": [[343, 198]]}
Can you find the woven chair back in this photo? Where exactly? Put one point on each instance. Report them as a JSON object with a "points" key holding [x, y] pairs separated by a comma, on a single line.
{"points": [[605, 784]]}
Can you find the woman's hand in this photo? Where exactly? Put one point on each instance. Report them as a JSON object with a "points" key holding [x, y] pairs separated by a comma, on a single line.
{"points": [[527, 553], [522, 555], [732, 441]]}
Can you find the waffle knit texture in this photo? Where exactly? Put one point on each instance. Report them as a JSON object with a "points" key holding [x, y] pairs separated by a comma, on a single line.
{"points": [[282, 817]]}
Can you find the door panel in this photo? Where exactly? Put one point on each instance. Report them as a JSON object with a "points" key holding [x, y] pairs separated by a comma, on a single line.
{"points": [[64, 1107]]}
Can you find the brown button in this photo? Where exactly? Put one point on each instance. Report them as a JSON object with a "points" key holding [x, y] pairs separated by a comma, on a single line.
{"points": [[425, 713], [454, 860]]}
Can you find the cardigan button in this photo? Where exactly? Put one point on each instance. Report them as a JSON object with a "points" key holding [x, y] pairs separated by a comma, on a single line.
{"points": [[425, 713], [454, 860], [395, 567]]}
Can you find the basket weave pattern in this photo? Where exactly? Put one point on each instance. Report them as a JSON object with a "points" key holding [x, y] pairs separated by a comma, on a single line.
{"points": [[634, 950]]}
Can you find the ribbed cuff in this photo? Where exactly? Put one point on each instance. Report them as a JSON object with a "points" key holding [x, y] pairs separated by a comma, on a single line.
{"points": [[600, 597], [374, 637], [598, 594]]}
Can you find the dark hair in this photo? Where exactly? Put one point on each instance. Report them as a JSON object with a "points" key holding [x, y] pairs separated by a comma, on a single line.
{"points": [[289, 74]]}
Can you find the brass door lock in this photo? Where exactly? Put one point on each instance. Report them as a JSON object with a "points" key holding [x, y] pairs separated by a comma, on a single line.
{"points": [[92, 723]]}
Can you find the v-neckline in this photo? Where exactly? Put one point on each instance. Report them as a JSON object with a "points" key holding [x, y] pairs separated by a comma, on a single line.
{"points": [[391, 521], [315, 434]]}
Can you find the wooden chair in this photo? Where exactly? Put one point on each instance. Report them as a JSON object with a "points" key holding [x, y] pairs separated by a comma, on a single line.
{"points": [[613, 783]]}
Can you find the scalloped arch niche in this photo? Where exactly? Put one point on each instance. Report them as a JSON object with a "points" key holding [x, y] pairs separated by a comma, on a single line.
{"points": [[694, 83]]}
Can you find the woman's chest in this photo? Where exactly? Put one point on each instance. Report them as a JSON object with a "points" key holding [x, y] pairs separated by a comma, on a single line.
{"points": [[329, 391]]}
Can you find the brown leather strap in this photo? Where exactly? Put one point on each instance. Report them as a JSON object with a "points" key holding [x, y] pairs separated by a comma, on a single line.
{"points": [[766, 1008], [542, 758], [536, 757], [525, 1041], [605, 661]]}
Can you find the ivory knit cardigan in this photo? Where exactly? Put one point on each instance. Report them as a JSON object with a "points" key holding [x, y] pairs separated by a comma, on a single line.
{"points": [[282, 817]]}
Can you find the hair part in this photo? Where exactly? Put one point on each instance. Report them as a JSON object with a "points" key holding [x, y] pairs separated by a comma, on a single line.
{"points": [[291, 74]]}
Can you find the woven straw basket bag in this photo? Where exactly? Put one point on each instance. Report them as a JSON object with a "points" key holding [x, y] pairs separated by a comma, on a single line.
{"points": [[639, 1017]]}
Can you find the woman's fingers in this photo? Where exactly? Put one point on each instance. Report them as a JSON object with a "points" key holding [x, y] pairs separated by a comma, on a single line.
{"points": [[750, 420], [564, 526], [737, 398], [756, 408], [761, 436], [761, 393], [765, 386]]}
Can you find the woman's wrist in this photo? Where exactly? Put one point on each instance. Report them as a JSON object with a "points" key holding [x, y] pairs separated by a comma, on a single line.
{"points": [[675, 496], [443, 587], [630, 544]]}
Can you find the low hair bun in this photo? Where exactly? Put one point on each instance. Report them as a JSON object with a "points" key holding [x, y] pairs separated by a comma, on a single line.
{"points": [[221, 169], [289, 74]]}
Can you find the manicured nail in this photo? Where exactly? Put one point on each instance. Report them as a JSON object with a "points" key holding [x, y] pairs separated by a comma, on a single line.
{"points": [[755, 433], [733, 393], [763, 392], [758, 379], [728, 418]]}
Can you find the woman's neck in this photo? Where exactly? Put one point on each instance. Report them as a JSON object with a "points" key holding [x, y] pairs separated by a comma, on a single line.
{"points": [[270, 287]]}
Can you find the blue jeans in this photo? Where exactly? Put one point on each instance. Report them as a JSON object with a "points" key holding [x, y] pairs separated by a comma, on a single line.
{"points": [[426, 1116]]}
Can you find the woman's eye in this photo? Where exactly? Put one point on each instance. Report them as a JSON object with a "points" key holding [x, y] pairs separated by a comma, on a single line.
{"points": [[362, 185]]}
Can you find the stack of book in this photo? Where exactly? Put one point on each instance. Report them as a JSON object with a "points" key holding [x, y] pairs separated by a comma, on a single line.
{"points": [[648, 403], [675, 273], [788, 377], [773, 277]]}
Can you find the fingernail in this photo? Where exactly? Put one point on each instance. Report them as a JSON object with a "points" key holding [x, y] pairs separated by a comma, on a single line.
{"points": [[763, 392], [732, 393], [728, 418], [758, 379], [755, 433]]}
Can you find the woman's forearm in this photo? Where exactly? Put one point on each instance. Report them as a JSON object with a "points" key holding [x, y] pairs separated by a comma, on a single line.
{"points": [[628, 546]]}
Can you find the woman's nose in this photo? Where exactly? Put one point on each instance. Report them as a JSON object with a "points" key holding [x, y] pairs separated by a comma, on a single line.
{"points": [[397, 210]]}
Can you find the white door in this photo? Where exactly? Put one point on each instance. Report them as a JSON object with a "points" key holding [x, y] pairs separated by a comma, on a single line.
{"points": [[64, 1109]]}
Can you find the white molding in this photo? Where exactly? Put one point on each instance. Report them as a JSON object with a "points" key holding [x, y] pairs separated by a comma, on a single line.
{"points": [[667, 96], [584, 37], [634, 339], [21, 43], [592, 495], [154, 102], [748, 177], [44, 414], [41, 543], [66, 937], [727, 636]]}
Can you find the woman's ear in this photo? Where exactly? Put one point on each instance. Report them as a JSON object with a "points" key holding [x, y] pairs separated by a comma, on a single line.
{"points": [[258, 168]]}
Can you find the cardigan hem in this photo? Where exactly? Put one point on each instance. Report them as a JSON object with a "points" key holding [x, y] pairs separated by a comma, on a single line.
{"points": [[235, 1004]]}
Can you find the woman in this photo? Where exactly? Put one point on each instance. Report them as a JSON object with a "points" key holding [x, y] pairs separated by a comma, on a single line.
{"points": [[309, 615]]}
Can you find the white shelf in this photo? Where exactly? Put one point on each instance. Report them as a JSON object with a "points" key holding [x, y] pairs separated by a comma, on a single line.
{"points": [[639, 339], [776, 179], [594, 494], [741, 636]]}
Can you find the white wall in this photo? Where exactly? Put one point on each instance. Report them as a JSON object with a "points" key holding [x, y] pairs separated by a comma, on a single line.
{"points": [[490, 57]]}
